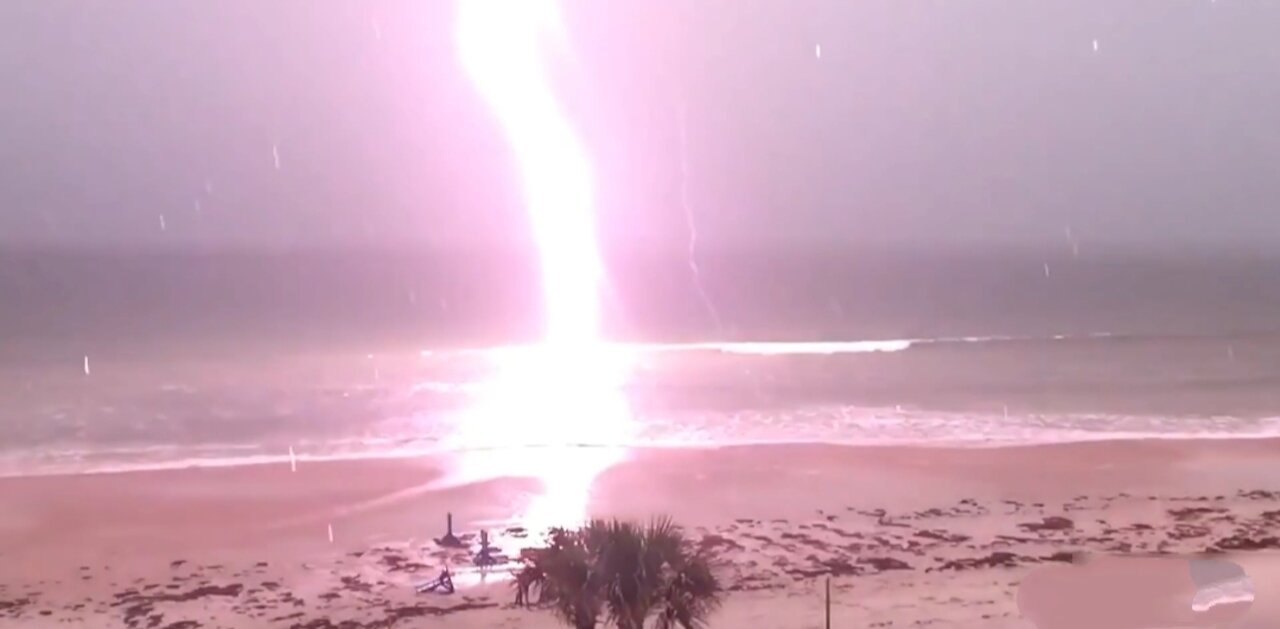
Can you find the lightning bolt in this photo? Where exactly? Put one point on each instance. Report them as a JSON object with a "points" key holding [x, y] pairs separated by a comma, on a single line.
{"points": [[689, 219], [567, 388]]}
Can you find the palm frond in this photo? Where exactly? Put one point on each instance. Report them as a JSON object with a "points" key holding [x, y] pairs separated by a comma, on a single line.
{"points": [[690, 596], [626, 572]]}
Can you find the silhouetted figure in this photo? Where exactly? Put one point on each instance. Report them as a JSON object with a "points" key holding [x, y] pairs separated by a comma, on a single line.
{"points": [[524, 581], [449, 540]]}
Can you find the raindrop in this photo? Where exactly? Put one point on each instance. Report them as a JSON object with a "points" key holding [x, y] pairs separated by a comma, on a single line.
{"points": [[817, 51], [275, 155], [163, 227], [293, 467], [1046, 269], [1095, 45], [86, 365], [330, 533]]}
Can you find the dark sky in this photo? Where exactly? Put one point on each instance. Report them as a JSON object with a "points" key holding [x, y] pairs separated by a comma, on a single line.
{"points": [[943, 120]]}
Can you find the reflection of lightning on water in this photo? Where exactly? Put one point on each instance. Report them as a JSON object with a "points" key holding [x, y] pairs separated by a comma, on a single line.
{"points": [[693, 226]]}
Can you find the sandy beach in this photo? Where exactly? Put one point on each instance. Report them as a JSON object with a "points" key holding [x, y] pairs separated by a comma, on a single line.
{"points": [[909, 536]]}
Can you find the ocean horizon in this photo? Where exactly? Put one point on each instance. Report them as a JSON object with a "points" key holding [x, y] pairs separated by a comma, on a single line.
{"points": [[117, 362]]}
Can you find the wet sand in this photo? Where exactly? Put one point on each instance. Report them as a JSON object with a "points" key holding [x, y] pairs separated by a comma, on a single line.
{"points": [[909, 536]]}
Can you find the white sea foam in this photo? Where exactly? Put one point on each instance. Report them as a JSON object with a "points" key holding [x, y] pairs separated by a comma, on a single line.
{"points": [[841, 425], [773, 348], [699, 395], [787, 348]]}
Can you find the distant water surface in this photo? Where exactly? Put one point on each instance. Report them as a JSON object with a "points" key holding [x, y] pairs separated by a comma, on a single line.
{"points": [[210, 359]]}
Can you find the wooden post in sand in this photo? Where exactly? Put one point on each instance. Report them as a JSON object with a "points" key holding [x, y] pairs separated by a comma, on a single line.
{"points": [[828, 603]]}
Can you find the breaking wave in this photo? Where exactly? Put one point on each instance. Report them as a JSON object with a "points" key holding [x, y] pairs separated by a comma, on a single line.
{"points": [[697, 395], [847, 426]]}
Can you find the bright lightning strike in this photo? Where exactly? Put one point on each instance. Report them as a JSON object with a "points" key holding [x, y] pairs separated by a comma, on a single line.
{"points": [[564, 389], [502, 44]]}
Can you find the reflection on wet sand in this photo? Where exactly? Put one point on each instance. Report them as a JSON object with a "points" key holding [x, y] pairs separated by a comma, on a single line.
{"points": [[555, 413]]}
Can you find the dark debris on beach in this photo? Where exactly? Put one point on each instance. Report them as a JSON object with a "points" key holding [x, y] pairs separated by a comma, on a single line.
{"points": [[372, 588]]}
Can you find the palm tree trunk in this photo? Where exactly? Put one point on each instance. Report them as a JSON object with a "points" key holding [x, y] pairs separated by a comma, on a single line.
{"points": [[583, 620]]}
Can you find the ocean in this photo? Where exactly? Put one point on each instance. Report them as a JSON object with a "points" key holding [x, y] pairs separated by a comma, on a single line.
{"points": [[113, 361]]}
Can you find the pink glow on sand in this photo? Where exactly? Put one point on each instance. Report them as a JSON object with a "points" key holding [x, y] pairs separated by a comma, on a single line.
{"points": [[555, 411]]}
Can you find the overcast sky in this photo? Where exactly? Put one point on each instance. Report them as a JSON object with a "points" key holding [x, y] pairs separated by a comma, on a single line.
{"points": [[943, 120]]}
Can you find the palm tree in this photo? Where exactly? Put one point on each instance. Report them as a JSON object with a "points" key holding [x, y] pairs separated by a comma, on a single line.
{"points": [[563, 575], [625, 571]]}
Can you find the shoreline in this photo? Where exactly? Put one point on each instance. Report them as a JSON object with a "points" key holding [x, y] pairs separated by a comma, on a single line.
{"points": [[252, 540], [443, 453]]}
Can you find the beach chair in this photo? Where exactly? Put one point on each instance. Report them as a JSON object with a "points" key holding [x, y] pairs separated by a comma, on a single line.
{"points": [[442, 584]]}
